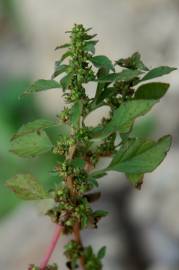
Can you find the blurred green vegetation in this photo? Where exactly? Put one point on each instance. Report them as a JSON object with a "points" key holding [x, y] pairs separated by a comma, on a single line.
{"points": [[13, 113], [8, 10]]}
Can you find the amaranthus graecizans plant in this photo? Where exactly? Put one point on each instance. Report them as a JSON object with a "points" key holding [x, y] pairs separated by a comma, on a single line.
{"points": [[124, 87]]}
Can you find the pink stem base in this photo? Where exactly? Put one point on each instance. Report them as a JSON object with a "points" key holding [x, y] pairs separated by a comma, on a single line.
{"points": [[57, 233]]}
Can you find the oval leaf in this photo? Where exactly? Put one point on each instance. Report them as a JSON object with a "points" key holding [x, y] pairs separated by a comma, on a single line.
{"points": [[101, 253], [76, 111], [90, 46], [26, 187], [36, 125], [66, 80], [138, 156], [31, 145], [59, 69], [124, 116], [154, 90], [41, 85], [102, 61], [124, 75], [157, 72]]}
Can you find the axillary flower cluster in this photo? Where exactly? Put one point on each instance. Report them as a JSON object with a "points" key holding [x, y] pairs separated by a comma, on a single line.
{"points": [[123, 89], [73, 207]]}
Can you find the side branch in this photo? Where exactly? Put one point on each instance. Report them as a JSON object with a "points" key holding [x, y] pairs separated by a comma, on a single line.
{"points": [[57, 233]]}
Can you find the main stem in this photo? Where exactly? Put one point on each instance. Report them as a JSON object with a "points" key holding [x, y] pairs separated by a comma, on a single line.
{"points": [[59, 228], [76, 228], [77, 237]]}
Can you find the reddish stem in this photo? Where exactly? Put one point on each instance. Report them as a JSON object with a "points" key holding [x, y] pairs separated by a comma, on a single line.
{"points": [[57, 233]]}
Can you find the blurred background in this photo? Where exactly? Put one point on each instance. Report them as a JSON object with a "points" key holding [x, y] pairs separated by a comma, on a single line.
{"points": [[142, 230]]}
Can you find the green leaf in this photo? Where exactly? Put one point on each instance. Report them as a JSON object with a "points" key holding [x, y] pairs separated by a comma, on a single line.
{"points": [[100, 213], [97, 174], [102, 72], [88, 37], [66, 45], [88, 29], [129, 147], [90, 46], [76, 111], [64, 130], [101, 253], [154, 90], [59, 69], [84, 221], [88, 252], [106, 93], [128, 74], [157, 72], [31, 145], [112, 77], [124, 116], [64, 56], [139, 156], [137, 62], [36, 125], [102, 61], [26, 187], [124, 75], [133, 62], [145, 127], [66, 80], [41, 85]]}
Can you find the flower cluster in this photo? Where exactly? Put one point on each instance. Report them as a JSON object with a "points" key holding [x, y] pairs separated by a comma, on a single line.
{"points": [[79, 69], [92, 261], [63, 145], [69, 211]]}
